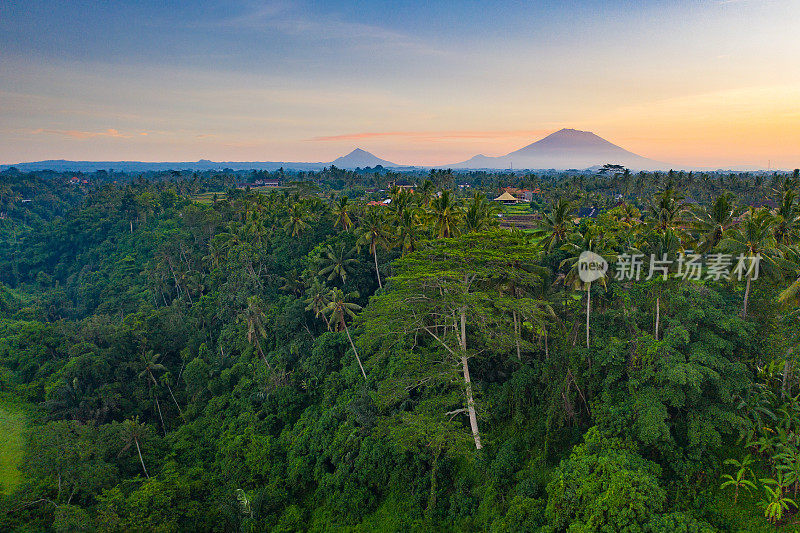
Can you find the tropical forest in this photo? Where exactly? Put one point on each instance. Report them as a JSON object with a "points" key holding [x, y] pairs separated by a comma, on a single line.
{"points": [[381, 350]]}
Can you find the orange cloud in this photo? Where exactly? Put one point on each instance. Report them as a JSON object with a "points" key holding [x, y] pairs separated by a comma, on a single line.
{"points": [[77, 134], [437, 135]]}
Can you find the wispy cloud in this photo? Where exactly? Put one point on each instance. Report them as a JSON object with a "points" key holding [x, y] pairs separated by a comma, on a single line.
{"points": [[435, 135], [284, 17], [77, 134]]}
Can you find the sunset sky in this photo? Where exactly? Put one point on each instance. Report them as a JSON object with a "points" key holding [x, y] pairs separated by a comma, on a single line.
{"points": [[703, 83]]}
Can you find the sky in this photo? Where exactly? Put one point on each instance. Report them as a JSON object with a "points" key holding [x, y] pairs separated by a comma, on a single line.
{"points": [[695, 83]]}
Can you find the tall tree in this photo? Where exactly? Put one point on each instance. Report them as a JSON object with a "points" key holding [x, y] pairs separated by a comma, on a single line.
{"points": [[132, 434], [341, 214], [447, 291], [753, 236], [150, 366], [254, 318], [318, 296], [711, 223], [373, 234], [591, 240], [337, 262], [340, 308], [480, 213], [556, 225], [445, 215], [296, 223]]}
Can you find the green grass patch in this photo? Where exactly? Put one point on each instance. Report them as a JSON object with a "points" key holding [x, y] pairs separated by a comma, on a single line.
{"points": [[208, 197], [13, 422], [517, 209]]}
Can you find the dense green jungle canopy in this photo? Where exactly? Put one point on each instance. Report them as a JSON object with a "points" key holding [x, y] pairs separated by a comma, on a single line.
{"points": [[194, 353]]}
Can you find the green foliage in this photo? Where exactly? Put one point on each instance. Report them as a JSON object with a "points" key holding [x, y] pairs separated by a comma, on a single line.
{"points": [[604, 486], [278, 361]]}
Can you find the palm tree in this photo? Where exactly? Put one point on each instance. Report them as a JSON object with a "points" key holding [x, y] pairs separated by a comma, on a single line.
{"points": [[480, 213], [132, 433], [151, 365], [218, 248], [425, 193], [753, 236], [337, 262], [255, 318], [787, 225], [339, 308], [667, 209], [657, 245], [401, 199], [409, 230], [711, 223], [373, 234], [165, 380], [296, 223], [792, 293], [445, 215], [293, 282], [341, 214], [556, 225], [318, 296], [591, 240]]}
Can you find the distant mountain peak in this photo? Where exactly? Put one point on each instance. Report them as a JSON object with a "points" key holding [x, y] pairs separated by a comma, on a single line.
{"points": [[564, 149], [359, 158]]}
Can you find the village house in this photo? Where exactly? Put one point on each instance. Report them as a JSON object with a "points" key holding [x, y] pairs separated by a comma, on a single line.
{"points": [[507, 199]]}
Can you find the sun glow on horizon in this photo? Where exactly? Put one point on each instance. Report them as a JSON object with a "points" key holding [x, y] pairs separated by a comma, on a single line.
{"points": [[694, 84]]}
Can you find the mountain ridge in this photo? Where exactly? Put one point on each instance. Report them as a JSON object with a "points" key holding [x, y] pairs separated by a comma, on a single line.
{"points": [[564, 149], [358, 158]]}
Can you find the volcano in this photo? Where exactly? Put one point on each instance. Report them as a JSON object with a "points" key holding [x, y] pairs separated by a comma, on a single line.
{"points": [[564, 149], [359, 158]]}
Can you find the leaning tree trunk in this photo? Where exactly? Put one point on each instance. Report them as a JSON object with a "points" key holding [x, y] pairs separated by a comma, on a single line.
{"points": [[347, 330], [658, 314], [158, 406], [263, 356], [141, 460], [377, 272], [746, 296], [588, 310], [473, 419], [180, 411], [517, 332]]}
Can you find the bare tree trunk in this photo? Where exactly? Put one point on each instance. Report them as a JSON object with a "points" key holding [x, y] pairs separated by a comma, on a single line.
{"points": [[158, 406], [473, 419], [263, 357], [377, 272], [588, 310], [516, 335], [141, 460], [658, 314], [746, 297], [176, 402], [347, 330]]}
